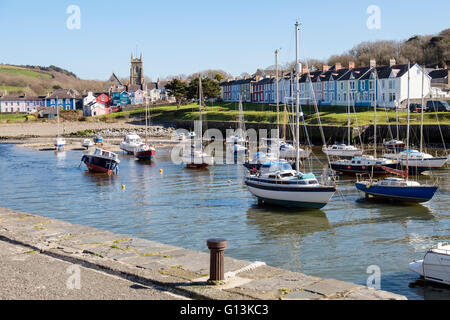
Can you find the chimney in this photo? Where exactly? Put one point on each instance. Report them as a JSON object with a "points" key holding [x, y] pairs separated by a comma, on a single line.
{"points": [[325, 68], [351, 64], [373, 63], [338, 66], [392, 62]]}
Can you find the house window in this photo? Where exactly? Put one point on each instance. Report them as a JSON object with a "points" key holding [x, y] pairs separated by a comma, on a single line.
{"points": [[391, 84], [363, 85], [342, 86], [371, 84]]}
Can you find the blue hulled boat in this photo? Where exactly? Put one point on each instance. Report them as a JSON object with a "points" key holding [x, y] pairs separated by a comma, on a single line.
{"points": [[397, 189]]}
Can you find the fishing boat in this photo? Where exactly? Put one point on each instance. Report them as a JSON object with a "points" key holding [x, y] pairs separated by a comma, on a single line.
{"points": [[87, 143], [145, 152], [130, 143], [342, 150], [435, 266], [277, 183], [193, 156], [101, 161], [398, 189]]}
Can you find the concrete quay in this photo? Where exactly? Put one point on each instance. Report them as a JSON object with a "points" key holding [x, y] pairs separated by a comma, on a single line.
{"points": [[45, 248]]}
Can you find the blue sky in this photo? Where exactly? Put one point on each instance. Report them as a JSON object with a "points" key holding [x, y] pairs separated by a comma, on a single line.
{"points": [[187, 36]]}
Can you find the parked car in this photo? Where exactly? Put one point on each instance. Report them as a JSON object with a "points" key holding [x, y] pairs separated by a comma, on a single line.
{"points": [[414, 107], [438, 106]]}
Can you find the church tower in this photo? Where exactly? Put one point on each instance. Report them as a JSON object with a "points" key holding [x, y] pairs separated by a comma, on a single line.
{"points": [[136, 71]]}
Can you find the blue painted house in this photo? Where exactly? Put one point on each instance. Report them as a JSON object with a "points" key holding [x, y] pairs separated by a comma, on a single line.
{"points": [[125, 98], [62, 98]]}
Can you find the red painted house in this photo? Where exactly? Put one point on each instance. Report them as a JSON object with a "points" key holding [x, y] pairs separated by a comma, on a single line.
{"points": [[104, 98]]}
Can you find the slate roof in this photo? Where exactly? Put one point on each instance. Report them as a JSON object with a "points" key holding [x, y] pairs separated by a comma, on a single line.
{"points": [[439, 74]]}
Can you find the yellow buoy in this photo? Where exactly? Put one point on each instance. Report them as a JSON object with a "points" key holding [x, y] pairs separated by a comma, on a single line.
{"points": [[123, 187], [161, 171], [368, 186]]}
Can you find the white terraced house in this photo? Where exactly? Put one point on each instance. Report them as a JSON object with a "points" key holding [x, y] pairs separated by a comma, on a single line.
{"points": [[339, 86]]}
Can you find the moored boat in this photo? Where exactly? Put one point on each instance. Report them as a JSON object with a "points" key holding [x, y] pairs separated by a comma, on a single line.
{"points": [[144, 152], [342, 150], [87, 143], [59, 143], [397, 189], [364, 164], [418, 161], [278, 184], [130, 143], [435, 265], [101, 161]]}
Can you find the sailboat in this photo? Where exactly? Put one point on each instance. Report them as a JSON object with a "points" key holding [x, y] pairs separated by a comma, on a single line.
{"points": [[145, 152], [399, 189], [193, 156], [344, 150], [59, 141], [366, 164], [277, 183], [236, 142], [419, 161]]}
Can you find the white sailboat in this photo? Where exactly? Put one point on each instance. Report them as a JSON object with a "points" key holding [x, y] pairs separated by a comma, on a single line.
{"points": [[344, 150], [366, 164], [145, 152], [419, 161], [236, 142], [59, 141], [193, 156], [278, 184], [399, 189]]}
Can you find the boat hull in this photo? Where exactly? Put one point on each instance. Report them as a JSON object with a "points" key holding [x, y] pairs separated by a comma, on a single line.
{"points": [[145, 155], [435, 268], [418, 194], [291, 196], [99, 165], [362, 169], [343, 153]]}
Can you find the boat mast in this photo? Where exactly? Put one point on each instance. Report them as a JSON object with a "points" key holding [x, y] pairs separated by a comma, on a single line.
{"points": [[407, 128], [200, 97], [297, 104], [57, 117], [421, 111], [348, 107], [277, 94], [375, 112]]}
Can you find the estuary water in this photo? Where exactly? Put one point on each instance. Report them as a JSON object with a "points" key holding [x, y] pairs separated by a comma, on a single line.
{"points": [[184, 207]]}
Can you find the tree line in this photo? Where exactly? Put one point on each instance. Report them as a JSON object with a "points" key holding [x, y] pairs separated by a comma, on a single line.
{"points": [[184, 90]]}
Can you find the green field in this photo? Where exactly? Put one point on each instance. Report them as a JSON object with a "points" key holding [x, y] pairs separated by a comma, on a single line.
{"points": [[256, 113], [12, 89], [25, 72]]}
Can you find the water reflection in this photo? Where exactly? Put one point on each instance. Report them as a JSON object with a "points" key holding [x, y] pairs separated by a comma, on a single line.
{"points": [[276, 221]]}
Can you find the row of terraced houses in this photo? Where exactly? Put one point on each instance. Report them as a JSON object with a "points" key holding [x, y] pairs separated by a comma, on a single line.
{"points": [[336, 85]]}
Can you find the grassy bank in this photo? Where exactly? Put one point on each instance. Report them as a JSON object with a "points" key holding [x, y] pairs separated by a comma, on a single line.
{"points": [[14, 118], [256, 113]]}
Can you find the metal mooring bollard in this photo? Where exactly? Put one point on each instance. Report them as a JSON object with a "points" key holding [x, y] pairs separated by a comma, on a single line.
{"points": [[217, 269]]}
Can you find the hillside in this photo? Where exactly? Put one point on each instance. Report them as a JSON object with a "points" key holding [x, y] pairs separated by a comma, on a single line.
{"points": [[37, 80]]}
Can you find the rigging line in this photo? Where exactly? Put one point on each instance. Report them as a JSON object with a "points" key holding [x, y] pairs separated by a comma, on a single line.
{"points": [[357, 126]]}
